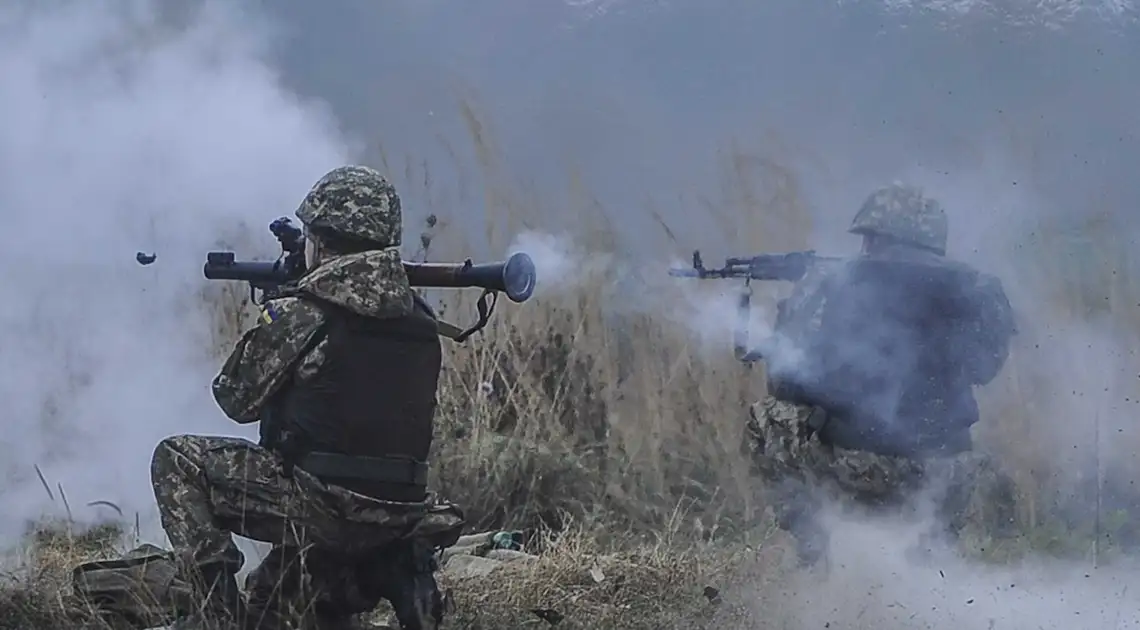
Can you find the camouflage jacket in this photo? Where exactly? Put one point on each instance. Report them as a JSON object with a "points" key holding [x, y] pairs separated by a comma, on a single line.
{"points": [[286, 341], [900, 379], [800, 315]]}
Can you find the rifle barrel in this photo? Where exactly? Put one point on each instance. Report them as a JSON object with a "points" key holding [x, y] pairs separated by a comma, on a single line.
{"points": [[685, 273]]}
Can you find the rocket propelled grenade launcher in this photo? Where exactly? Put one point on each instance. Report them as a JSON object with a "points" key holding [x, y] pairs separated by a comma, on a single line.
{"points": [[516, 276]]}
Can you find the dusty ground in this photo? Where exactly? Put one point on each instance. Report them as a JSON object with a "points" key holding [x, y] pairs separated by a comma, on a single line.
{"points": [[870, 584]]}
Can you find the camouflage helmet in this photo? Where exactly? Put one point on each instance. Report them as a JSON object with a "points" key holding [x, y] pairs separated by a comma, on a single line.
{"points": [[354, 202], [903, 213]]}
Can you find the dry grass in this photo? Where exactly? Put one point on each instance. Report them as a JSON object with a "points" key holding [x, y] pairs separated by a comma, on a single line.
{"points": [[598, 433], [37, 594], [581, 584]]}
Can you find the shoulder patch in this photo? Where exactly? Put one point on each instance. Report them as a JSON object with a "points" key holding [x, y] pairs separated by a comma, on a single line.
{"points": [[289, 310], [269, 313]]}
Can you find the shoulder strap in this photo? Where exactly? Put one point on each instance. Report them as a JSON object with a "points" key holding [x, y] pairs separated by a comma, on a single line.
{"points": [[453, 332]]}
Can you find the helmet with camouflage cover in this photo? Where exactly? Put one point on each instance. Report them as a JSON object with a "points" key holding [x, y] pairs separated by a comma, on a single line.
{"points": [[903, 213], [355, 203]]}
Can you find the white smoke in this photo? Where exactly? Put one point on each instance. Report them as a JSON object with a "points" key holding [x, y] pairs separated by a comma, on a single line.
{"points": [[124, 131]]}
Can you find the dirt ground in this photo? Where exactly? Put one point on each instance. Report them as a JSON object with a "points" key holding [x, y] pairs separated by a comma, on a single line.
{"points": [[872, 585], [869, 584]]}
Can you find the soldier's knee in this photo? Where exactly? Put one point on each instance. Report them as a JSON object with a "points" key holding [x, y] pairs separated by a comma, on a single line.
{"points": [[166, 450], [170, 453]]}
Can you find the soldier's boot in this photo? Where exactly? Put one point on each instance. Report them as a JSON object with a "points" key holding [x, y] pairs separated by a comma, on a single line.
{"points": [[408, 583], [418, 603], [278, 611], [221, 604]]}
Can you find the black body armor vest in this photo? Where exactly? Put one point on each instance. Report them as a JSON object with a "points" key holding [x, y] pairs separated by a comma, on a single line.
{"points": [[364, 421]]}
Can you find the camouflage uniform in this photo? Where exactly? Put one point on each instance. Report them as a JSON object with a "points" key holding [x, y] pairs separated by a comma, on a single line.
{"points": [[802, 473], [801, 470], [332, 552]]}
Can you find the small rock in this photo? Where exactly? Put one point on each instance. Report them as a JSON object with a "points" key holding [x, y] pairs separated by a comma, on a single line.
{"points": [[508, 555], [549, 615], [712, 594], [474, 540], [460, 567], [596, 574]]}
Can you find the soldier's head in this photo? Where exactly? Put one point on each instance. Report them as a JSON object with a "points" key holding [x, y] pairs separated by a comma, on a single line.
{"points": [[901, 215], [350, 209]]}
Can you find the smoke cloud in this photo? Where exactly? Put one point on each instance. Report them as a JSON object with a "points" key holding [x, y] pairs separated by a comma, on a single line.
{"points": [[563, 264], [125, 130], [874, 584]]}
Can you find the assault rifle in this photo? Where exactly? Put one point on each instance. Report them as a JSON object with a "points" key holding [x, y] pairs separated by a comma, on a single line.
{"points": [[515, 276], [788, 267]]}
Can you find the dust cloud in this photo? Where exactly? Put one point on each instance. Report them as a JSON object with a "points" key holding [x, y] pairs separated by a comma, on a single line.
{"points": [[873, 583]]}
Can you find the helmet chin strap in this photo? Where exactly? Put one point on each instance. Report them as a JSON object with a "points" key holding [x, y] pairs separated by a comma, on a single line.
{"points": [[312, 250]]}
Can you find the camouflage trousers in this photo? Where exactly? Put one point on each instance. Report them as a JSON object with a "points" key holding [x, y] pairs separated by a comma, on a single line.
{"points": [[801, 473], [335, 553]]}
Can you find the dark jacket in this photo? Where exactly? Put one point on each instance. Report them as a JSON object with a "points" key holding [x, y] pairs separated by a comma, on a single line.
{"points": [[902, 338]]}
